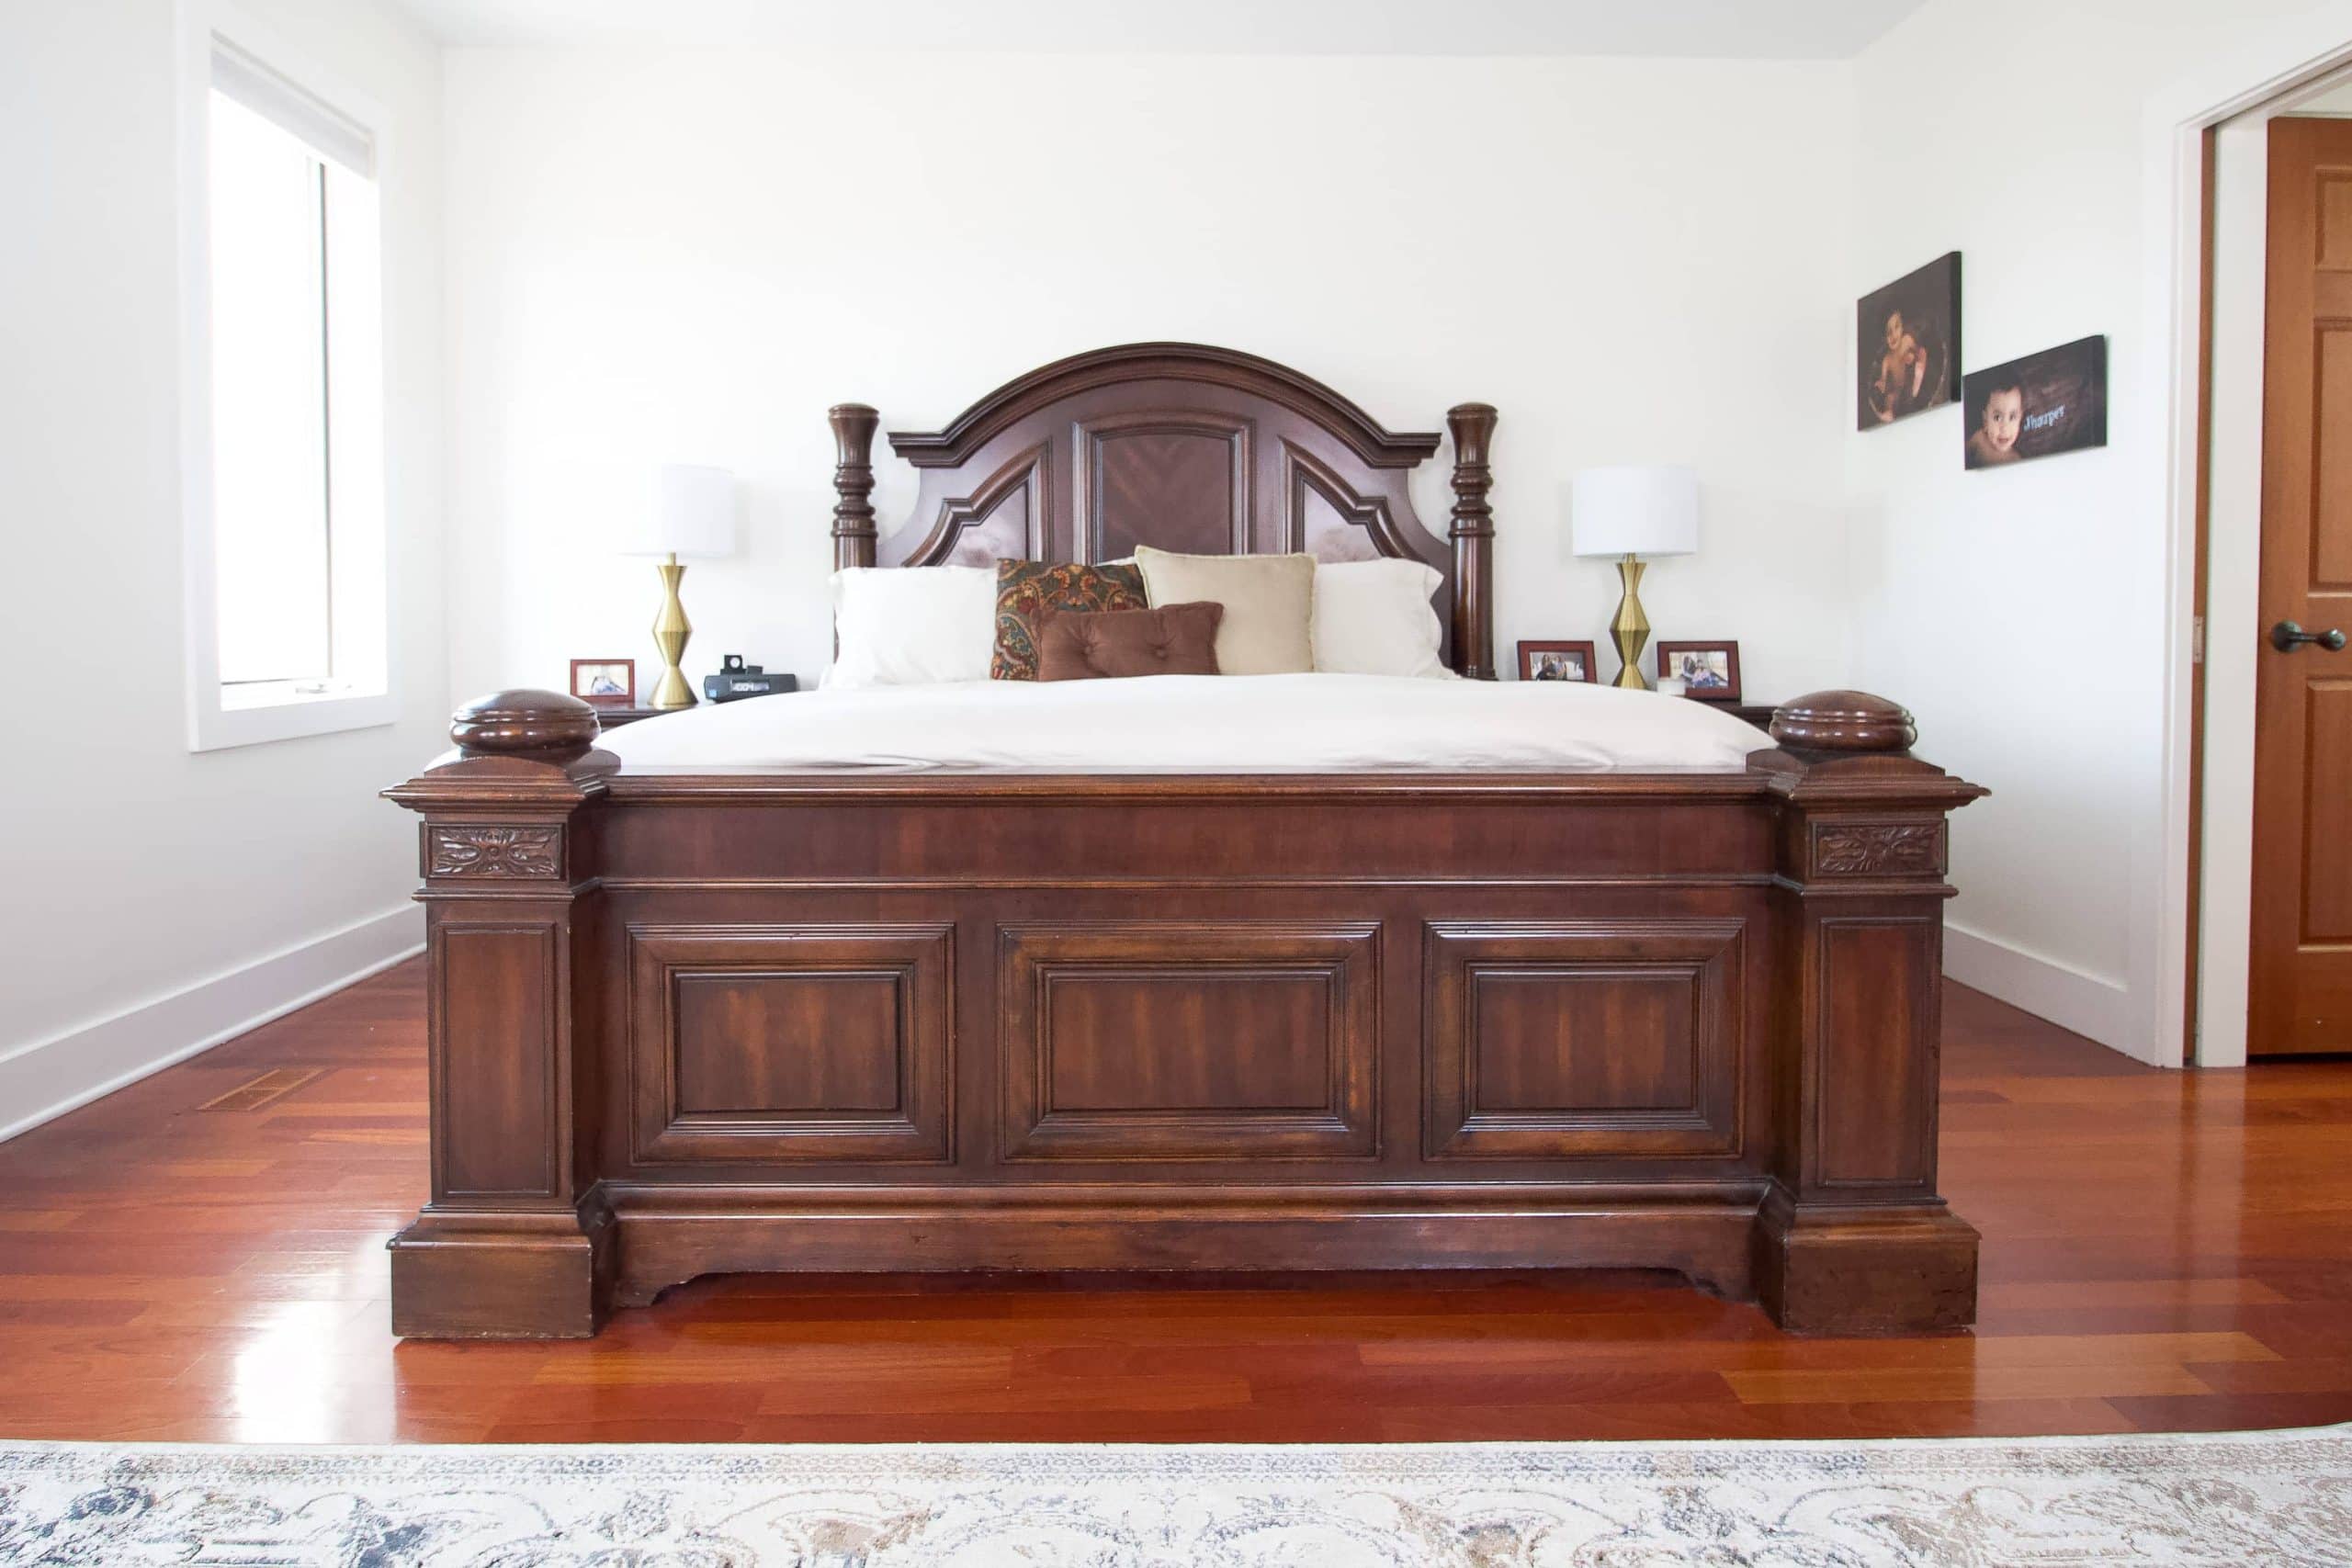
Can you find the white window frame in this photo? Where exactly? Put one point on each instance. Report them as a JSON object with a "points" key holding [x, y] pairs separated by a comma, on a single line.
{"points": [[361, 585]]}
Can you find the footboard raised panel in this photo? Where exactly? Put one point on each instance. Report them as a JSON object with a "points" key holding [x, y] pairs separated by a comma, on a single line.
{"points": [[1555, 1040], [500, 982], [1152, 1041], [783, 1044]]}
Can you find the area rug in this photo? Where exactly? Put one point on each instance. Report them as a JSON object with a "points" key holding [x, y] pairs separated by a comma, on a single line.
{"points": [[2248, 1497]]}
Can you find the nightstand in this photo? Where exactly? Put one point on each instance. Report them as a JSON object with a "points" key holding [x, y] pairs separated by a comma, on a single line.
{"points": [[1757, 713], [613, 719]]}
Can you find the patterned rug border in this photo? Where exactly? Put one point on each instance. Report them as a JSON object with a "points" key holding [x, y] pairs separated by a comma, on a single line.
{"points": [[2270, 1449], [2215, 1499]]}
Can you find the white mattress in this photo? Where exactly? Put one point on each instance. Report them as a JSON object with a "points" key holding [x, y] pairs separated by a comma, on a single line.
{"points": [[1195, 724]]}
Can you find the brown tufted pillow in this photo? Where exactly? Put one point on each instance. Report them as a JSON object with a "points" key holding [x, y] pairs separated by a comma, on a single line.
{"points": [[1027, 589], [1175, 639]]}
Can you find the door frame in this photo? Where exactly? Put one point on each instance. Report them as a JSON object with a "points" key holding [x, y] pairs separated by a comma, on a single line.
{"points": [[2203, 972]]}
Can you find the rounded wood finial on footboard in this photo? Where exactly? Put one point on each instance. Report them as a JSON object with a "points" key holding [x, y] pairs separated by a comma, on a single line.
{"points": [[524, 723], [1844, 721]]}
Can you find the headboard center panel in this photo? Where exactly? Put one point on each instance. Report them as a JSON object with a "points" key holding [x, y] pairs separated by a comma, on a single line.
{"points": [[1173, 478]]}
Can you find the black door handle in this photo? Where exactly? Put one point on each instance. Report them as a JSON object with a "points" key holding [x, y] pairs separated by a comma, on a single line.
{"points": [[2287, 637]]}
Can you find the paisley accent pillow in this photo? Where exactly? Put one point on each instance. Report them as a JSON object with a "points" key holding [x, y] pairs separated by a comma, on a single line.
{"points": [[1024, 588]]}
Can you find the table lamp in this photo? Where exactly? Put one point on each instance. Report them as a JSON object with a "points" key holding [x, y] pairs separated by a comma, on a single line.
{"points": [[1629, 513], [692, 514]]}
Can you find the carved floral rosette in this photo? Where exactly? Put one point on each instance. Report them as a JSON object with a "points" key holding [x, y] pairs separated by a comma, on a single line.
{"points": [[1878, 848], [465, 849]]}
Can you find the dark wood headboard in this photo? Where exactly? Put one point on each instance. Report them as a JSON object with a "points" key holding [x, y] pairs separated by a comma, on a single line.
{"points": [[1182, 447]]}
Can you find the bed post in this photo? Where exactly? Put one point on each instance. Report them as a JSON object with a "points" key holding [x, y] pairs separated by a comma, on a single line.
{"points": [[853, 484], [1853, 1237], [514, 1242], [1472, 532]]}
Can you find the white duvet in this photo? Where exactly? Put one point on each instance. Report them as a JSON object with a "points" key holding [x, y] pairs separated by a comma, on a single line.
{"points": [[1196, 724]]}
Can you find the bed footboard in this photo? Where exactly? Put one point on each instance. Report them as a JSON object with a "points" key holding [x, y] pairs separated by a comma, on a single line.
{"points": [[683, 1024]]}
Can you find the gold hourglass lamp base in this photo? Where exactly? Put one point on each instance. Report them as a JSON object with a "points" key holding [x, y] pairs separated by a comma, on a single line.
{"points": [[670, 630], [1631, 629], [692, 512]]}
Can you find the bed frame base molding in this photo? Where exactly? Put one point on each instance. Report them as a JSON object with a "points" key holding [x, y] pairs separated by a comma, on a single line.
{"points": [[665, 1242], [1865, 1271], [503, 1276]]}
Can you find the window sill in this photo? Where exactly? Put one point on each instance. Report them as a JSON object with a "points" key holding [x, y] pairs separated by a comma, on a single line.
{"points": [[255, 715]]}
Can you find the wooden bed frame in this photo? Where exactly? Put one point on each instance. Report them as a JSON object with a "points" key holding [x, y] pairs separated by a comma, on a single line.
{"points": [[690, 1023]]}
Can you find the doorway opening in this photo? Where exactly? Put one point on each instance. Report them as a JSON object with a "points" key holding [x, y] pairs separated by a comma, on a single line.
{"points": [[2268, 921]]}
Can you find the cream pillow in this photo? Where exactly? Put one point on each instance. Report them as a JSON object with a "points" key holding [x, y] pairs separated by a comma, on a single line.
{"points": [[1267, 600], [910, 625], [1373, 617]]}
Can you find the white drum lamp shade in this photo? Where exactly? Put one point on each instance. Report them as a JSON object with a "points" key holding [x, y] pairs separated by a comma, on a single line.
{"points": [[692, 514], [1629, 513], [1634, 511]]}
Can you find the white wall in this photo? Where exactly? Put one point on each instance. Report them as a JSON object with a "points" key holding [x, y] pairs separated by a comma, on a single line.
{"points": [[677, 255], [672, 254], [2021, 612], [155, 899]]}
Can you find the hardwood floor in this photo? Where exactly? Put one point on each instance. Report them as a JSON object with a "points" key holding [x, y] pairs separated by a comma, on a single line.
{"points": [[2161, 1251]]}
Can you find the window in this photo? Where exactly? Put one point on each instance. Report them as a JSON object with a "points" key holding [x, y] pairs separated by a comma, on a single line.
{"points": [[285, 428]]}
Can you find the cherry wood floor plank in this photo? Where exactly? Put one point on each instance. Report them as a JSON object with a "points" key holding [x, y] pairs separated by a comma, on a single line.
{"points": [[1670, 1422], [1864, 1385], [2233, 1412], [2161, 1251]]}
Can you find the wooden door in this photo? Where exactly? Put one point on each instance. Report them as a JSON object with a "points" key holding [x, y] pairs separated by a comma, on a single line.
{"points": [[2301, 991]]}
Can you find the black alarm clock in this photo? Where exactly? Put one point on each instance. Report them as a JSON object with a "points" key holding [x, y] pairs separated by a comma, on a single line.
{"points": [[737, 680]]}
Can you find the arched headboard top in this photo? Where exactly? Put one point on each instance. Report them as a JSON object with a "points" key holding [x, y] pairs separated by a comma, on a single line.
{"points": [[1081, 372], [1185, 447]]}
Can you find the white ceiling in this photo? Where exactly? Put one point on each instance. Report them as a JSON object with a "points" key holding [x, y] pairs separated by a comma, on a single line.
{"points": [[1755, 29]]}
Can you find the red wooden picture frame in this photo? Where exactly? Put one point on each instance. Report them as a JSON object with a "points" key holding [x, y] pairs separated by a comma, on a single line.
{"points": [[623, 699], [1529, 652], [1669, 651]]}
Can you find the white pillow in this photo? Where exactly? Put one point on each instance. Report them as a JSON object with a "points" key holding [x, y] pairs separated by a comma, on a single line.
{"points": [[1373, 617], [912, 625]]}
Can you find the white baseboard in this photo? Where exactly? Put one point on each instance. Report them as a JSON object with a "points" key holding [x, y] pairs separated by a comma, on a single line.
{"points": [[2088, 1004], [68, 1070]]}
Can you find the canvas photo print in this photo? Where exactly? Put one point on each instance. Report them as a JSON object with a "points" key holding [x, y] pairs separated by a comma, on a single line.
{"points": [[1907, 339], [2037, 407]]}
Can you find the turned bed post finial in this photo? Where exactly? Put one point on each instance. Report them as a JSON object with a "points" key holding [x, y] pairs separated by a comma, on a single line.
{"points": [[541, 727], [854, 536], [1472, 532], [1843, 721]]}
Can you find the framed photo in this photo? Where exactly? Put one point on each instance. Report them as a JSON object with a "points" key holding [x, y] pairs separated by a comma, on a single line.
{"points": [[2037, 407], [1558, 661], [1711, 669], [607, 682], [1907, 340]]}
